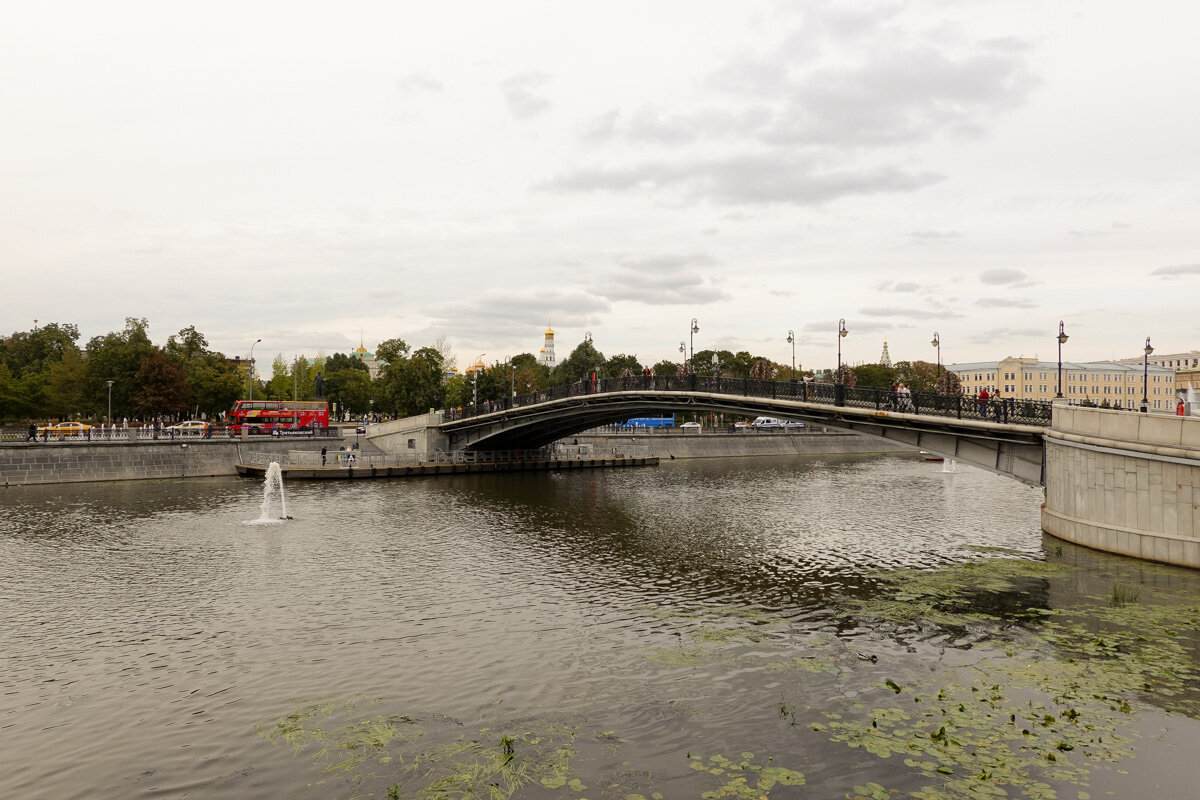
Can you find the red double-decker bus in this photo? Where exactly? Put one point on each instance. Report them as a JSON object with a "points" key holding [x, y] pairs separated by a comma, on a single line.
{"points": [[277, 416]]}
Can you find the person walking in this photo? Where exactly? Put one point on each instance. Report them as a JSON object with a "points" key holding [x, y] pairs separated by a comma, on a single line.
{"points": [[983, 401], [322, 456]]}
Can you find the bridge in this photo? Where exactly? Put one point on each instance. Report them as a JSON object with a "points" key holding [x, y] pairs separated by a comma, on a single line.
{"points": [[1119, 481], [1007, 438]]}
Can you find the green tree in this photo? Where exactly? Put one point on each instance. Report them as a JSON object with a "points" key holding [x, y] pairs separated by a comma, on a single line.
{"points": [[117, 357], [918, 376], [341, 361], [618, 365], [26, 352], [162, 387], [349, 390], [583, 360], [65, 389], [874, 375], [666, 369]]}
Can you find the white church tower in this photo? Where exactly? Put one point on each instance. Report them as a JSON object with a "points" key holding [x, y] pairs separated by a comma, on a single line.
{"points": [[546, 356], [885, 360]]}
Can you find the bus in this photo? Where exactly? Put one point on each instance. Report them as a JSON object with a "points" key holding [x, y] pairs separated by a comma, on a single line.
{"points": [[276, 416], [649, 422]]}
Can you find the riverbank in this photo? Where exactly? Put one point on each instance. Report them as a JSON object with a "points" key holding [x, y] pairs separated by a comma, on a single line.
{"points": [[709, 444], [76, 462], [27, 464]]}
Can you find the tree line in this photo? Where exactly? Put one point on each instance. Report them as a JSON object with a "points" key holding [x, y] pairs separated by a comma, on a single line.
{"points": [[47, 374]]}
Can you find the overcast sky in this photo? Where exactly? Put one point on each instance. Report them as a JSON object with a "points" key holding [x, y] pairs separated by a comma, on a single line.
{"points": [[306, 173]]}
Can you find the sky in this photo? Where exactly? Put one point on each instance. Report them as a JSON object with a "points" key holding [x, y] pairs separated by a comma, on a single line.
{"points": [[319, 174]]}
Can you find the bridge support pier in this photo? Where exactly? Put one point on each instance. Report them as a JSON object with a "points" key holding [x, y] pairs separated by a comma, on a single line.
{"points": [[1124, 483]]}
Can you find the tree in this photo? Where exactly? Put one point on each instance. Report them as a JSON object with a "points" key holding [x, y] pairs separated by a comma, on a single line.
{"points": [[65, 387], [162, 387], [918, 376], [27, 352], [874, 375], [618, 365], [583, 360], [117, 357], [665, 369], [349, 390], [341, 361]]}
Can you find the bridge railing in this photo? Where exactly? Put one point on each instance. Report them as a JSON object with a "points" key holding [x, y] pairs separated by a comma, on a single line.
{"points": [[1027, 412]]}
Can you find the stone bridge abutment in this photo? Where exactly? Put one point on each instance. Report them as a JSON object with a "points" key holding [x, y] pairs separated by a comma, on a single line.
{"points": [[1124, 483]]}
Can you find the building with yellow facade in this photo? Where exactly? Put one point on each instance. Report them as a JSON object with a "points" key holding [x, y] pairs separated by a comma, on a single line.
{"points": [[1102, 383]]}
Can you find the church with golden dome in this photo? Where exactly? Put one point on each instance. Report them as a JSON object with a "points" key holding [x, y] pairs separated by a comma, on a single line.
{"points": [[546, 354], [368, 358]]}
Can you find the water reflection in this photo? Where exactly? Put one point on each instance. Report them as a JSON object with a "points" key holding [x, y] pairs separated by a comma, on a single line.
{"points": [[147, 630]]}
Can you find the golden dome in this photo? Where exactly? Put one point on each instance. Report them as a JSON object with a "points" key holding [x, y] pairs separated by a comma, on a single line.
{"points": [[549, 331]]}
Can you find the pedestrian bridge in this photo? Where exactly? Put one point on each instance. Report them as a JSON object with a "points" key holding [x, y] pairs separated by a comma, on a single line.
{"points": [[1118, 481], [1006, 437]]}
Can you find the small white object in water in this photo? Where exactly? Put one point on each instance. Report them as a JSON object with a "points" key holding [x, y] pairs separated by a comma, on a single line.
{"points": [[948, 465]]}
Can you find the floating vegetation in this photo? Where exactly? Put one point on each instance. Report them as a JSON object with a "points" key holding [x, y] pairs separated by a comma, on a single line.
{"points": [[490, 763], [744, 779], [1061, 699]]}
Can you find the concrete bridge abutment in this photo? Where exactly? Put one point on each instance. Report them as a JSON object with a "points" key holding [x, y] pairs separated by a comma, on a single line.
{"points": [[1123, 482]]}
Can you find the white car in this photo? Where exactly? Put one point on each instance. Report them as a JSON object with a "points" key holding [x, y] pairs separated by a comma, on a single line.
{"points": [[690, 425], [766, 423]]}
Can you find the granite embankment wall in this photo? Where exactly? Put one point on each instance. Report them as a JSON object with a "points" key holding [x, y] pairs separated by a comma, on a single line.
{"points": [[73, 462], [734, 445], [1125, 483]]}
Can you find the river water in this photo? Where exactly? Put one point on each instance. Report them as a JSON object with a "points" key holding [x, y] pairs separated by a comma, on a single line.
{"points": [[790, 627]]}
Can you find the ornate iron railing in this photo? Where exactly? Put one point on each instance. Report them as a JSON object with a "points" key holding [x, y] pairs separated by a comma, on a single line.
{"points": [[1005, 410]]}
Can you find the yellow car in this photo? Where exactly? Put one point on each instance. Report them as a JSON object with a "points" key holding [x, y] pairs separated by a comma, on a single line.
{"points": [[65, 429], [193, 427]]}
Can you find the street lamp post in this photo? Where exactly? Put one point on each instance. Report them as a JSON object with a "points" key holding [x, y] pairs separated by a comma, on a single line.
{"points": [[1146, 375], [692, 332], [841, 335], [256, 341], [683, 355], [1062, 339], [109, 418], [792, 341], [937, 342], [716, 369]]}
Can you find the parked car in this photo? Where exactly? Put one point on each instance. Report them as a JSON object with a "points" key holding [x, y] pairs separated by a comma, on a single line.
{"points": [[792, 424], [65, 429], [688, 425], [766, 423], [195, 426]]}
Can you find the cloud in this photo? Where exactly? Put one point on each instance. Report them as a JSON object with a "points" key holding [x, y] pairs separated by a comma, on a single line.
{"points": [[1005, 302], [902, 287], [910, 313], [761, 178], [522, 95], [992, 335], [1012, 278], [661, 280], [1177, 270], [925, 236], [508, 314], [419, 83]]}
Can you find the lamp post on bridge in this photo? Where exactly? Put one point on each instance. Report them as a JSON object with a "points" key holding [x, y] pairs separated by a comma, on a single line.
{"points": [[841, 335], [109, 418], [691, 348], [792, 341], [1062, 339], [937, 342], [1146, 375], [683, 355], [252, 368], [475, 367]]}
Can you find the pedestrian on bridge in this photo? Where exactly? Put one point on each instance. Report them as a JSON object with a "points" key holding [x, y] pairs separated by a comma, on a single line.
{"points": [[983, 402]]}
